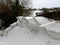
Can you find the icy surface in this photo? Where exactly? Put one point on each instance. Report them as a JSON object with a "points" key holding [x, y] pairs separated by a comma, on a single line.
{"points": [[24, 36]]}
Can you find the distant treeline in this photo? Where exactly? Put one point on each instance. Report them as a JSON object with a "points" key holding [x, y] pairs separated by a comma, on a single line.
{"points": [[50, 9], [51, 15]]}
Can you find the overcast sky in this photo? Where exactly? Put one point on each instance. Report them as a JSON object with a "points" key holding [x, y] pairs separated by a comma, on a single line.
{"points": [[45, 3]]}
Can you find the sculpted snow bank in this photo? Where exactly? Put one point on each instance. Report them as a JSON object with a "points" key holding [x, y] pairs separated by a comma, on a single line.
{"points": [[31, 24], [53, 29], [34, 25], [22, 22]]}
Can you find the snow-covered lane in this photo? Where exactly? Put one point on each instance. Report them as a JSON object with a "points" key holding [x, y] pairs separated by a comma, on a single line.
{"points": [[24, 36]]}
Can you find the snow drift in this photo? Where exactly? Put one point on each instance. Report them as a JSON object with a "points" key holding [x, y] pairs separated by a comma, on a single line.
{"points": [[26, 31]]}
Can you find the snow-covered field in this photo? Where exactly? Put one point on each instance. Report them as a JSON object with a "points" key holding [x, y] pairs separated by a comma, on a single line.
{"points": [[25, 36]]}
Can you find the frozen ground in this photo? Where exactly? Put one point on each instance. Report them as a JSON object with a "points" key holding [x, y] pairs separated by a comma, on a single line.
{"points": [[24, 36]]}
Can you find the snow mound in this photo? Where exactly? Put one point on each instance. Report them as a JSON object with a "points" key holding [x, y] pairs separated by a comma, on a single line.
{"points": [[53, 29], [31, 24]]}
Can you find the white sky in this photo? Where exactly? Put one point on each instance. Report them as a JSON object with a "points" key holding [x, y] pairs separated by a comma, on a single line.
{"points": [[45, 3]]}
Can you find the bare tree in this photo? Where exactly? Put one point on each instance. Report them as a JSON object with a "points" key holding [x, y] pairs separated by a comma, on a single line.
{"points": [[25, 3]]}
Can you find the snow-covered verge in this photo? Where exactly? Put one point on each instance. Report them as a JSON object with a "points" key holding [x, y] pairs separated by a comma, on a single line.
{"points": [[22, 35]]}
